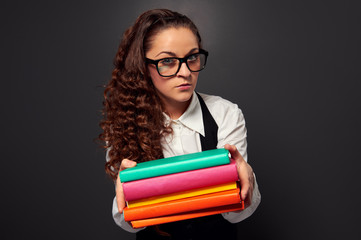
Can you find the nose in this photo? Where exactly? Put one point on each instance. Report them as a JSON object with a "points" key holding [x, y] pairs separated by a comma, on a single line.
{"points": [[184, 71]]}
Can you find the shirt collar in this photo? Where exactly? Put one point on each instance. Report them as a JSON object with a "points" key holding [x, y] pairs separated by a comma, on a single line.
{"points": [[192, 118]]}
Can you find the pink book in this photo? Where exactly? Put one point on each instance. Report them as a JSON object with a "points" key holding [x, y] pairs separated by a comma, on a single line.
{"points": [[178, 182]]}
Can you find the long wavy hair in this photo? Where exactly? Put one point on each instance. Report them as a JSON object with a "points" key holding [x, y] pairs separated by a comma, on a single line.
{"points": [[133, 121]]}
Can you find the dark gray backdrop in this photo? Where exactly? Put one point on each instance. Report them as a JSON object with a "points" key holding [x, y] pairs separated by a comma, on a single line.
{"points": [[293, 67]]}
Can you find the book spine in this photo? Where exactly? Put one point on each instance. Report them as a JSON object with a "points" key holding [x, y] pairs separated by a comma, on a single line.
{"points": [[188, 215], [181, 195], [178, 182], [176, 164], [183, 205]]}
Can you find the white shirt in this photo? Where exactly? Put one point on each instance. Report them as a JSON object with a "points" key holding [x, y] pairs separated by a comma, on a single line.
{"points": [[185, 139]]}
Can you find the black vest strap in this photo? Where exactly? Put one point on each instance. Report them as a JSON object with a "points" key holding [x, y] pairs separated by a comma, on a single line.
{"points": [[210, 227], [210, 128]]}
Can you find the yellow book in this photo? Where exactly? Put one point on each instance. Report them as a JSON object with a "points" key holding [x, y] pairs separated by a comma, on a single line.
{"points": [[181, 195]]}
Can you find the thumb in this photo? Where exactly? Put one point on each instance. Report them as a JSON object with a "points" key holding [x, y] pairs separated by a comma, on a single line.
{"points": [[126, 163]]}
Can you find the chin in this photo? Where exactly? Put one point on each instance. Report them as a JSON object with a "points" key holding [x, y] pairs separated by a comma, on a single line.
{"points": [[185, 97]]}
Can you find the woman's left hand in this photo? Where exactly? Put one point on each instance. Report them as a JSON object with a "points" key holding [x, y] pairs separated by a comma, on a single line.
{"points": [[245, 174]]}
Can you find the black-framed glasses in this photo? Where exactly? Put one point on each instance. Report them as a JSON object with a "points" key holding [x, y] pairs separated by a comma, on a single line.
{"points": [[168, 67]]}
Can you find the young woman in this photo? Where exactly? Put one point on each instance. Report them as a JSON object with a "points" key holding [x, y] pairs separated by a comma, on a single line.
{"points": [[151, 111]]}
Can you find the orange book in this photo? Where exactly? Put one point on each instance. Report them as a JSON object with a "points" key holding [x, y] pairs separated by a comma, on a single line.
{"points": [[187, 215], [181, 195], [183, 205]]}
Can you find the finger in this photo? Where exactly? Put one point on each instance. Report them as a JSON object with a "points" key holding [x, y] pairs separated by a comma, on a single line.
{"points": [[247, 182], [126, 163], [245, 187], [234, 152], [119, 195], [248, 200]]}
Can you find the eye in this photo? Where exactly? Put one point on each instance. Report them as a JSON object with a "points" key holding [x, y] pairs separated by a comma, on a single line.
{"points": [[167, 61], [193, 57]]}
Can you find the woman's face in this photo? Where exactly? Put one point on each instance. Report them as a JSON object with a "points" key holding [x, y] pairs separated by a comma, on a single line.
{"points": [[176, 91]]}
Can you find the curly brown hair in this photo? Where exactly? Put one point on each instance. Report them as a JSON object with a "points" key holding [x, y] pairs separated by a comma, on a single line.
{"points": [[133, 119]]}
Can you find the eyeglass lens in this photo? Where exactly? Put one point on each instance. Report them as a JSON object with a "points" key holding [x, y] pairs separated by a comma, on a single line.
{"points": [[170, 66]]}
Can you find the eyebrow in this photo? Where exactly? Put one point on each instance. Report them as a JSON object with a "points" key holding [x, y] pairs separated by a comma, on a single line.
{"points": [[174, 55]]}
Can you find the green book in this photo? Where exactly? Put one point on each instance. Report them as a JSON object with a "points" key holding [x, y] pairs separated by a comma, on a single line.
{"points": [[182, 163]]}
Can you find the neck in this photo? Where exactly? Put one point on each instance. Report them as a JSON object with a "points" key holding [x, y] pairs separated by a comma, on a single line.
{"points": [[175, 110]]}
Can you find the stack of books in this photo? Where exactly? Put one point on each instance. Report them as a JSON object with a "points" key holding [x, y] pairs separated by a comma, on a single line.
{"points": [[182, 187]]}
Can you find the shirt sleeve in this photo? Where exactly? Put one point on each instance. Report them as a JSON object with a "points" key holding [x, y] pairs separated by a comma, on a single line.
{"points": [[238, 216], [119, 219], [232, 130], [117, 216]]}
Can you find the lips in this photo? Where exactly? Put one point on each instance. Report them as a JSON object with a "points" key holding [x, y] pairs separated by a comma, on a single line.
{"points": [[184, 86]]}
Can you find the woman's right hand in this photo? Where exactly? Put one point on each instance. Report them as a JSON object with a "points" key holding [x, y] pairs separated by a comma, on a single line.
{"points": [[118, 186]]}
